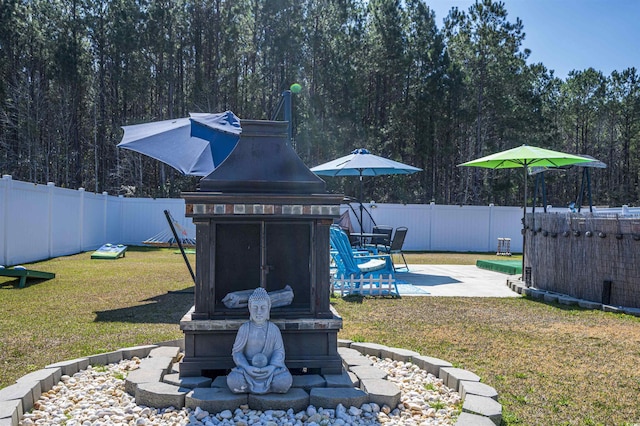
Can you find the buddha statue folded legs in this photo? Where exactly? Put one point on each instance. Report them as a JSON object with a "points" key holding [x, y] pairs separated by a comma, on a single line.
{"points": [[258, 352]]}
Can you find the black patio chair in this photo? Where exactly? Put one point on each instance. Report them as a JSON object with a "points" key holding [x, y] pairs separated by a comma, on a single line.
{"points": [[381, 243], [353, 240], [396, 245]]}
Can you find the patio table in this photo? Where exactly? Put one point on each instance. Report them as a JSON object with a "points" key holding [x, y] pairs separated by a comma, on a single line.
{"points": [[367, 236]]}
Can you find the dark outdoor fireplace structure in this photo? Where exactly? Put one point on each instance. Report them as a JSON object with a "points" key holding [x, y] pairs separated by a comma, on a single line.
{"points": [[262, 219]]}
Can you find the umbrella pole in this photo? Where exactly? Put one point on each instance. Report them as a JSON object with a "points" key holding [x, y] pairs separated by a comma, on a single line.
{"points": [[175, 235], [524, 226], [361, 206]]}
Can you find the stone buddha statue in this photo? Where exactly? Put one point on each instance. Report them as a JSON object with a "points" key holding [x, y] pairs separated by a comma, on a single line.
{"points": [[258, 352]]}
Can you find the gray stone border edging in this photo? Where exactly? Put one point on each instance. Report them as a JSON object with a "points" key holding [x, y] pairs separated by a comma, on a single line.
{"points": [[480, 405], [19, 398], [551, 297]]}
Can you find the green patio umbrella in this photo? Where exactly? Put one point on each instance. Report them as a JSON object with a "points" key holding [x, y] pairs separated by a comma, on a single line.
{"points": [[525, 157]]}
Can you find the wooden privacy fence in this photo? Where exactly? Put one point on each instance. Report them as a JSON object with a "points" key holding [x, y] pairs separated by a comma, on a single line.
{"points": [[587, 256]]}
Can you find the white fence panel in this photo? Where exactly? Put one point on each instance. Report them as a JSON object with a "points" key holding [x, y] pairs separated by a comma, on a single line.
{"points": [[43, 221], [460, 228], [144, 217], [506, 222], [5, 182], [65, 220], [451, 228], [113, 233], [416, 217], [93, 220], [26, 235]]}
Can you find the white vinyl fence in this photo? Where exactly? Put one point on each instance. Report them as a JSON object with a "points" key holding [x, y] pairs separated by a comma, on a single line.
{"points": [[43, 221], [449, 228]]}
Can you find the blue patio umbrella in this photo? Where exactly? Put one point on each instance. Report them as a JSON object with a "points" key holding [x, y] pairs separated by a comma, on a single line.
{"points": [[194, 145], [361, 163]]}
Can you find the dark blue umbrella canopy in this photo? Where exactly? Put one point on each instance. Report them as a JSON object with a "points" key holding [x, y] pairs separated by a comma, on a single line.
{"points": [[194, 145]]}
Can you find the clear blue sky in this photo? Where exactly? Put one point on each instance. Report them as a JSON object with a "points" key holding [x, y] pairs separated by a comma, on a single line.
{"points": [[571, 34]]}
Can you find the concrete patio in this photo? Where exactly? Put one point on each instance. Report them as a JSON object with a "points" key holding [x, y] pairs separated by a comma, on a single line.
{"points": [[453, 280]]}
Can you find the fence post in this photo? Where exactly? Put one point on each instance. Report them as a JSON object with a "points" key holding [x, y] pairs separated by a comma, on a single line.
{"points": [[5, 185], [432, 209], [105, 215], [490, 236], [120, 216], [81, 222], [50, 224]]}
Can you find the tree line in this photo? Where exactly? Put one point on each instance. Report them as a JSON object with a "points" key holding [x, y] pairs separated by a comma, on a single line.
{"points": [[378, 74]]}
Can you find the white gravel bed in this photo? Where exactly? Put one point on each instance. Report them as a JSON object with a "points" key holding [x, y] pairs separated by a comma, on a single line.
{"points": [[96, 397]]}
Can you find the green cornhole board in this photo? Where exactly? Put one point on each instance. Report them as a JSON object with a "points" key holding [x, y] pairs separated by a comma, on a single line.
{"points": [[187, 251], [511, 267], [23, 274], [109, 251]]}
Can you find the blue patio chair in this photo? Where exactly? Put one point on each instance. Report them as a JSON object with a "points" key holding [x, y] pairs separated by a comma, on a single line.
{"points": [[357, 273]]}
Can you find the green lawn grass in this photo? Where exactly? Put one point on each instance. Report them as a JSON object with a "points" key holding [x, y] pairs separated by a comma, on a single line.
{"points": [[92, 306], [448, 258], [551, 364]]}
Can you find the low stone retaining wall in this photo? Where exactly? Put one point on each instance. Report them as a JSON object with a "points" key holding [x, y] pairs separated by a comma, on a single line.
{"points": [[552, 297], [480, 404]]}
